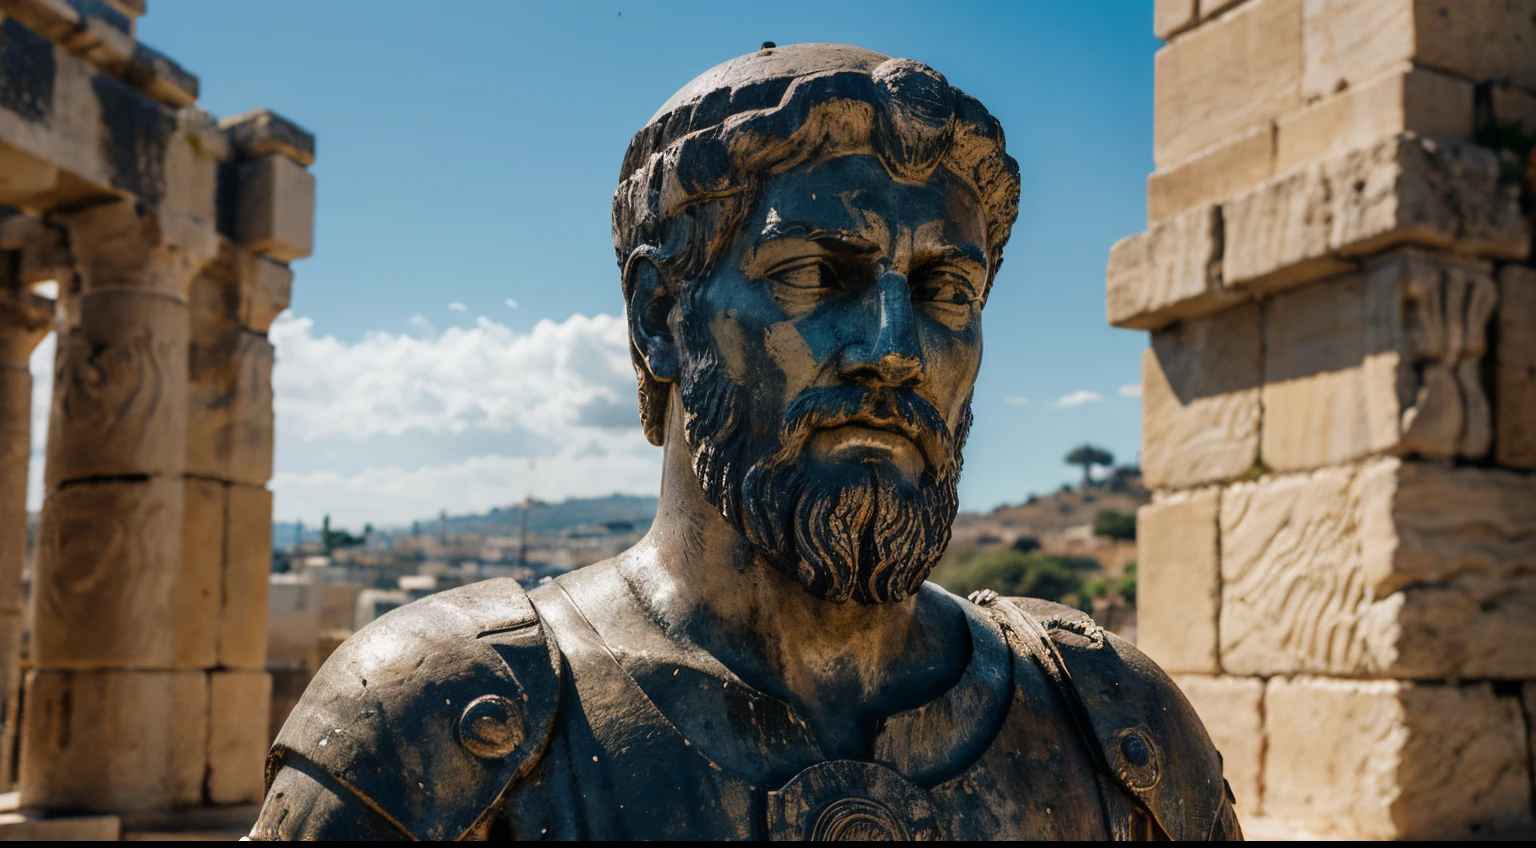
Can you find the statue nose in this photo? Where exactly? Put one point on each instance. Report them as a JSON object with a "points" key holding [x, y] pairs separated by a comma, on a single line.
{"points": [[893, 357]]}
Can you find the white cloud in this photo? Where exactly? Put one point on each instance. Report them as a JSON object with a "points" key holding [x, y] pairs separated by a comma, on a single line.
{"points": [[1016, 400], [420, 322], [458, 307], [1130, 390], [1077, 398], [512, 304], [473, 418], [487, 377], [395, 427]]}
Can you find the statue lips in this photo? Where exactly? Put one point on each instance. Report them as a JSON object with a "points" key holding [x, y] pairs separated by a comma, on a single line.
{"points": [[869, 441], [877, 424]]}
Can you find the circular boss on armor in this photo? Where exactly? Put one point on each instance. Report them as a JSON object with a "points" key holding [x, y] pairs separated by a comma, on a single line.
{"points": [[491, 727]]}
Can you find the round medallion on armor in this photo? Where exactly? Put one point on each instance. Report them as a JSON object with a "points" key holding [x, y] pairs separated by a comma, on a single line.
{"points": [[491, 727], [844, 801], [1137, 761]]}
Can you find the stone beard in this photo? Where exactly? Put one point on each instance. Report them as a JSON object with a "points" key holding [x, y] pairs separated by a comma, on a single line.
{"points": [[864, 532]]}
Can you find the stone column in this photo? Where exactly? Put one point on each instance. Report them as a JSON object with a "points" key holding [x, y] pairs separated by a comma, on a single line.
{"points": [[25, 319], [149, 589], [1339, 564], [109, 695], [227, 509]]}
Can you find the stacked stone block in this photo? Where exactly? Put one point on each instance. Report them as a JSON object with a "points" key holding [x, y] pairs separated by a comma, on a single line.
{"points": [[169, 236], [1339, 564]]}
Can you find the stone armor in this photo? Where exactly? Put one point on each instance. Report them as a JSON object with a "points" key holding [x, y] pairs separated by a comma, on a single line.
{"points": [[488, 713]]}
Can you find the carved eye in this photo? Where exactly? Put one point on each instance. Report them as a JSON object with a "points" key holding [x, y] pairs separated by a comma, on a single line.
{"points": [[808, 274], [944, 288]]}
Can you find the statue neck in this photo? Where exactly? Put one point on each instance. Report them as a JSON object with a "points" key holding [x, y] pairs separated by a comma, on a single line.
{"points": [[842, 666]]}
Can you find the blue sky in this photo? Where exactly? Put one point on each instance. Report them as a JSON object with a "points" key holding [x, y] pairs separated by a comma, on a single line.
{"points": [[467, 155]]}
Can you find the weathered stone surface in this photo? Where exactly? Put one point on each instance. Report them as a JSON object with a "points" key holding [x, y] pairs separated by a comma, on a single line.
{"points": [[1408, 570], [54, 20], [1226, 77], [295, 609], [1232, 709], [128, 245], [1515, 369], [275, 214], [1213, 176], [1349, 41], [230, 419], [266, 289], [106, 135], [262, 132], [1171, 17], [119, 393], [114, 740], [24, 178], [237, 735], [1383, 360], [11, 624], [1513, 106], [1404, 99], [105, 586], [1200, 400], [1170, 272], [1304, 226], [247, 562], [1528, 702], [1390, 760], [15, 455], [1179, 581], [200, 589], [28, 827]]}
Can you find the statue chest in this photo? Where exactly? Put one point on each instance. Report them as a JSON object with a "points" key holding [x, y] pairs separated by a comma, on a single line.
{"points": [[616, 767]]}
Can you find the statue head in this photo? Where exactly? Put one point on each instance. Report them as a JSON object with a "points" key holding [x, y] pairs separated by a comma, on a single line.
{"points": [[807, 236]]}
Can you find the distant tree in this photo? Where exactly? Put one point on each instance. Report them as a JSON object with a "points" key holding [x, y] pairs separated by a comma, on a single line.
{"points": [[1026, 544], [1088, 456], [1115, 525], [334, 539], [1128, 584]]}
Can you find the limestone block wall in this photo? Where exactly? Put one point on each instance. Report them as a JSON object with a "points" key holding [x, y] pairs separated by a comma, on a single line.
{"points": [[168, 234], [1339, 401]]}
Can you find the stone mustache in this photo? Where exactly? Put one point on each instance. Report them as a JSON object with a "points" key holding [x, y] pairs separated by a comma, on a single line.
{"points": [[807, 236]]}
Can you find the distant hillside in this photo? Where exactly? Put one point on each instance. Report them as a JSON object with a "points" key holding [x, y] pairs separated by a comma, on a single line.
{"points": [[552, 517], [1049, 516]]}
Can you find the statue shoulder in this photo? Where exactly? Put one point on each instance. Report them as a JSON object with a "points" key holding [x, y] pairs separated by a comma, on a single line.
{"points": [[1152, 741], [430, 712]]}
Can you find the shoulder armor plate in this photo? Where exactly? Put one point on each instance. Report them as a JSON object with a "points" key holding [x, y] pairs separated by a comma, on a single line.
{"points": [[430, 712], [1152, 741]]}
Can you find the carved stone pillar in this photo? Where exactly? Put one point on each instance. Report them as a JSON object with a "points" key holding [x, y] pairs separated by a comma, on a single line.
{"points": [[1339, 564], [25, 319], [149, 591], [106, 592]]}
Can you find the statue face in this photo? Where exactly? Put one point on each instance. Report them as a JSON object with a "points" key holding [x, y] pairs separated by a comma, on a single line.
{"points": [[827, 369]]}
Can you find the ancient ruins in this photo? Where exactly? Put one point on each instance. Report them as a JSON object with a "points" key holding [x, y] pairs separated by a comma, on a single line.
{"points": [[166, 235], [1340, 404]]}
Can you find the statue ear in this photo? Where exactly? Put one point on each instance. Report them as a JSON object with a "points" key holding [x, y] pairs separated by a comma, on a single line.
{"points": [[651, 301]]}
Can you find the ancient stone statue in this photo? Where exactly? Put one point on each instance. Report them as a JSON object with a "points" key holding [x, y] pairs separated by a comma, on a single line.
{"points": [[807, 236]]}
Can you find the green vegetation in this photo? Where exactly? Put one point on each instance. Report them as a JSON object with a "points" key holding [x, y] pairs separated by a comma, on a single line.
{"points": [[333, 539], [1026, 544], [1011, 572], [1115, 525]]}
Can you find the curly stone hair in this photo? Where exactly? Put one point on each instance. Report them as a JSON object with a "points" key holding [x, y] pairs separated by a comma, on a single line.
{"points": [[691, 175]]}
